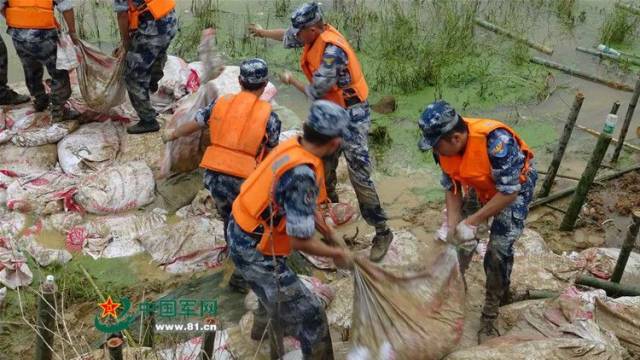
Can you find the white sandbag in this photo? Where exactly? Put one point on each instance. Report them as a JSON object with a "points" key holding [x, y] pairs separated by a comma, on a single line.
{"points": [[194, 241], [92, 147], [66, 56], [23, 161], [178, 77], [100, 79], [25, 117], [11, 224], [14, 271], [191, 350], [227, 83], [62, 222], [42, 194], [600, 263], [202, 205], [45, 135], [117, 189]]}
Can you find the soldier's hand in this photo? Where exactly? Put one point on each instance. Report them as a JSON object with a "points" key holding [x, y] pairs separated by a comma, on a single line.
{"points": [[465, 231], [343, 259], [167, 135], [255, 30], [285, 77]]}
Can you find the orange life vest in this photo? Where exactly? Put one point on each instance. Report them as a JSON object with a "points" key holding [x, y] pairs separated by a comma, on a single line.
{"points": [[237, 127], [473, 168], [252, 206], [312, 58], [30, 14], [157, 8]]}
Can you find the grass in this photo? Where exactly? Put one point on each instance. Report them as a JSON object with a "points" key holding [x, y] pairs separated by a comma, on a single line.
{"points": [[618, 27]]}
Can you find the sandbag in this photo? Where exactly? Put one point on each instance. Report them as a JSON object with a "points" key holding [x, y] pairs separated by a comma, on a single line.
{"points": [[46, 193], [227, 83], [66, 57], [100, 78], [14, 271], [23, 161], [201, 205], [193, 243], [45, 135], [25, 117], [621, 316], [412, 316], [117, 189], [600, 263], [11, 224], [178, 78], [92, 147]]}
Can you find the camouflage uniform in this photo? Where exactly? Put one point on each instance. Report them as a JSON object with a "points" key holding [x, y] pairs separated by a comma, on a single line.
{"points": [[225, 188], [146, 57], [4, 67], [355, 147], [506, 164], [37, 48], [305, 319]]}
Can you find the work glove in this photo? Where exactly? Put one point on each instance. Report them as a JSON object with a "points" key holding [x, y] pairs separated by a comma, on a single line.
{"points": [[167, 135], [465, 232], [285, 77]]}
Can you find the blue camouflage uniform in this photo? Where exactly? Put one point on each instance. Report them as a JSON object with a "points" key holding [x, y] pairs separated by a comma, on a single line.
{"points": [[355, 147], [296, 193], [37, 49], [146, 57], [225, 188], [507, 162], [506, 165], [4, 67]]}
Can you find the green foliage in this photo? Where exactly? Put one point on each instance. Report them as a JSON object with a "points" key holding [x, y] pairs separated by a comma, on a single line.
{"points": [[282, 7], [618, 27]]}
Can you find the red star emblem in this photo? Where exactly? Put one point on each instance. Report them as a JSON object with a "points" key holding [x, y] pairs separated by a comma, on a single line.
{"points": [[109, 308]]}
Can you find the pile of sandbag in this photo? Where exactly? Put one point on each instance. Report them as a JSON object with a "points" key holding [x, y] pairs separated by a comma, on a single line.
{"points": [[21, 161], [45, 193]]}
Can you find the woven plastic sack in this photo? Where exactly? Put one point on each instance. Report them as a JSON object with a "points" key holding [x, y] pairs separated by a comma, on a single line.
{"points": [[409, 316], [92, 147], [45, 193], [100, 78], [66, 56]]}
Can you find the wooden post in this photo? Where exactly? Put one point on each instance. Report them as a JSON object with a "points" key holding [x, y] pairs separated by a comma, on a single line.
{"points": [[501, 31], [562, 146], [209, 340], [581, 74], [608, 56], [627, 121], [46, 322], [114, 345], [589, 174], [627, 246], [612, 289]]}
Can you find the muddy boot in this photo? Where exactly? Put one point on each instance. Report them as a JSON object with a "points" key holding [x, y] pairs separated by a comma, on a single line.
{"points": [[144, 126], [323, 350], [238, 284], [11, 97], [260, 321], [487, 330], [381, 243], [64, 113], [41, 103]]}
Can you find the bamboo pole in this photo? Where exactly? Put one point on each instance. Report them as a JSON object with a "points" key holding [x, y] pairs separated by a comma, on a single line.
{"points": [[602, 54], [627, 246], [209, 340], [114, 345], [562, 146], [590, 171], [563, 176], [581, 74], [569, 191], [627, 121], [615, 141], [612, 289], [501, 31], [46, 321], [632, 9]]}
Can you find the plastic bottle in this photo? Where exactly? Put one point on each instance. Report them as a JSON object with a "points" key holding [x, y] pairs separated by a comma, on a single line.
{"points": [[607, 50], [610, 124]]}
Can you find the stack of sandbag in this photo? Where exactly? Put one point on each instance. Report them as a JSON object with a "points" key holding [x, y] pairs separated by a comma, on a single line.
{"points": [[93, 147], [116, 189]]}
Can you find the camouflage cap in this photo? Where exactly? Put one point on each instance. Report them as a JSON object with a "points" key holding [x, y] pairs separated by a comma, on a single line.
{"points": [[254, 71], [328, 118], [305, 15], [436, 120]]}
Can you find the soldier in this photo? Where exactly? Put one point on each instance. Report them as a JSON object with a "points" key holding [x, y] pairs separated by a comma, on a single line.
{"points": [[489, 157], [334, 74], [146, 29], [7, 95], [34, 30], [276, 213], [243, 131]]}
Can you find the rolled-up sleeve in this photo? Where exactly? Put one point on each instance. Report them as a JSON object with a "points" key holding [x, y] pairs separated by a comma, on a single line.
{"points": [[506, 161], [120, 5], [64, 5], [298, 193], [203, 115]]}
